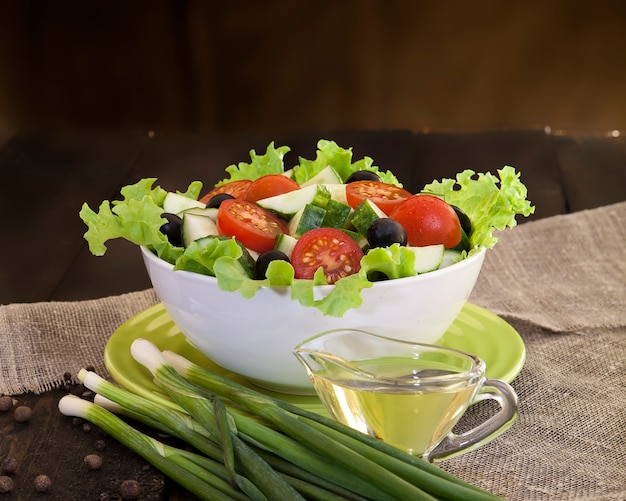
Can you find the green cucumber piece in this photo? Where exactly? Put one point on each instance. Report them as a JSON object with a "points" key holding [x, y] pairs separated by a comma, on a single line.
{"points": [[450, 257], [464, 244], [196, 226], [306, 219], [428, 258], [288, 204], [210, 212], [365, 214], [322, 196], [337, 192], [336, 215], [174, 203], [285, 243], [357, 237], [328, 175]]}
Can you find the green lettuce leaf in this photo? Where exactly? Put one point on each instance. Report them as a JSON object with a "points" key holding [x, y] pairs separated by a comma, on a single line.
{"points": [[136, 218], [142, 188], [200, 256], [491, 203], [260, 165], [394, 261], [340, 159], [193, 191]]}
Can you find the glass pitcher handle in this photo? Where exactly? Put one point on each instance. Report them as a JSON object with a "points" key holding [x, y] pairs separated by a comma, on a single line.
{"points": [[493, 389]]}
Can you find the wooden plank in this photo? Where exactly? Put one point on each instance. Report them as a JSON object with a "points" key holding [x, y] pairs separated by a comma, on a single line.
{"points": [[47, 177], [593, 170]]}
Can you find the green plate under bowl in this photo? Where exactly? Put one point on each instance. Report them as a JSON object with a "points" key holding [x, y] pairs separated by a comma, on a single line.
{"points": [[475, 331]]}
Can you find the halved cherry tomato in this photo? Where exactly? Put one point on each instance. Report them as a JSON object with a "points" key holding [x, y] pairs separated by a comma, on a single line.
{"points": [[386, 196], [269, 186], [328, 248], [235, 188], [428, 220], [252, 225]]}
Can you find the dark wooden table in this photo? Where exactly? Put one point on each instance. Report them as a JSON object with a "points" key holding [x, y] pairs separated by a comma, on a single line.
{"points": [[46, 176]]}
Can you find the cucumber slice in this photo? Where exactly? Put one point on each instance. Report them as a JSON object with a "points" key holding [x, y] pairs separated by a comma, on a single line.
{"points": [[210, 212], [337, 192], [358, 238], [464, 244], [428, 258], [450, 257], [287, 204], [175, 203], [365, 214], [285, 243], [196, 226], [328, 175], [306, 219]]}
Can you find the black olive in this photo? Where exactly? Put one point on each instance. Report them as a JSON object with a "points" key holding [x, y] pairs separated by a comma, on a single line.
{"points": [[464, 219], [264, 260], [386, 231], [173, 229], [363, 175], [216, 200]]}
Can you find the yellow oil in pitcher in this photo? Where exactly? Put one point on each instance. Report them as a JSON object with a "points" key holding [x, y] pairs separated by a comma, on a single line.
{"points": [[402, 414]]}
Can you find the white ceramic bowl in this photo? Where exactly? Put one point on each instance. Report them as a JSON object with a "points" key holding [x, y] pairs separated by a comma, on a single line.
{"points": [[256, 337]]}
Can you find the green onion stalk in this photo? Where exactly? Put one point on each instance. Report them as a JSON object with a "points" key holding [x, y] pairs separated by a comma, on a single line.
{"points": [[168, 421], [204, 410], [318, 474], [173, 462]]}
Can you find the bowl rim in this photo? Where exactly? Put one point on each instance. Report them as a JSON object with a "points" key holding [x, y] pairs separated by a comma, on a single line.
{"points": [[430, 275]]}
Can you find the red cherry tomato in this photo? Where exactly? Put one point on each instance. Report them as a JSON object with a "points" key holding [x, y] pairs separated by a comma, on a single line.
{"points": [[386, 196], [428, 220], [328, 248], [235, 188], [269, 186], [252, 225]]}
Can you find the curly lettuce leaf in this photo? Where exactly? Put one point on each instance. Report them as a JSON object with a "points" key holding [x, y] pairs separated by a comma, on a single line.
{"points": [[395, 261], [260, 165], [200, 256], [490, 202], [136, 218], [331, 154], [193, 190], [142, 188]]}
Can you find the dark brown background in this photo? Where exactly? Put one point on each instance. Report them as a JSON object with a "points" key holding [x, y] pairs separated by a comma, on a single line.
{"points": [[192, 65]]}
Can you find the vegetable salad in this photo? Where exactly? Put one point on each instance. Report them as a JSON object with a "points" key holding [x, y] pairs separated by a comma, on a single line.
{"points": [[330, 220]]}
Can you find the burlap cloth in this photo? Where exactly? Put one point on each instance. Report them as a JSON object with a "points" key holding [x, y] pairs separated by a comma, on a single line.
{"points": [[561, 282]]}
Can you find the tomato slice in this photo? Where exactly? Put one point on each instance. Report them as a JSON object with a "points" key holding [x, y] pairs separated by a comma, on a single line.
{"points": [[428, 220], [329, 248], [253, 226], [386, 196], [235, 188], [269, 186]]}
